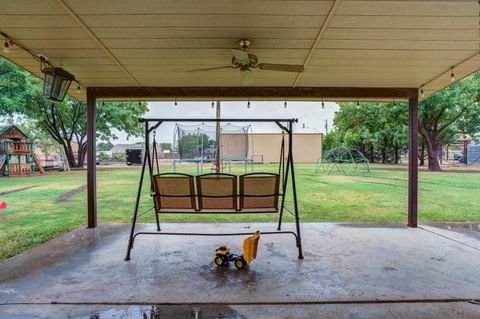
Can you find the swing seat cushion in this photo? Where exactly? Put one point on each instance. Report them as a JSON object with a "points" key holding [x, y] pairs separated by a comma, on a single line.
{"points": [[174, 191], [259, 191], [217, 191]]}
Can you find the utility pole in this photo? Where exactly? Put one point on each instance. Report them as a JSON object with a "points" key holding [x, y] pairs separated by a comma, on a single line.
{"points": [[217, 157]]}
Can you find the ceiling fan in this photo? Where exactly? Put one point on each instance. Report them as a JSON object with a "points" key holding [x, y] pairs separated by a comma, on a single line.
{"points": [[245, 61]]}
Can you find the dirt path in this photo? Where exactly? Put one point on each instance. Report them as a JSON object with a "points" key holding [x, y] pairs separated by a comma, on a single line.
{"points": [[15, 190], [68, 195]]}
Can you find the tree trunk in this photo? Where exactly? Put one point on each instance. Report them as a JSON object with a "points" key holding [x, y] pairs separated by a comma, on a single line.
{"points": [[69, 154], [422, 155], [82, 151], [431, 144], [396, 157], [433, 163]]}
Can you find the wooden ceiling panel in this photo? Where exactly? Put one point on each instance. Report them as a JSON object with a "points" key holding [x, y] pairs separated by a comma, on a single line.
{"points": [[380, 62], [389, 43], [67, 62], [197, 61], [31, 7], [36, 21], [61, 53], [225, 44], [51, 44], [406, 22], [171, 7], [431, 45], [205, 33], [409, 8], [402, 34], [393, 54], [220, 55], [33, 33], [232, 21]]}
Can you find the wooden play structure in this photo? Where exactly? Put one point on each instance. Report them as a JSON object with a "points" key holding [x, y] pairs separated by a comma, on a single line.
{"points": [[17, 156]]}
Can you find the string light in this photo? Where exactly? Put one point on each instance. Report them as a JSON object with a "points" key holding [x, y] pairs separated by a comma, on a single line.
{"points": [[358, 103], [78, 89], [213, 105], [248, 104], [285, 104], [103, 102], [6, 46], [452, 75], [394, 102], [323, 105], [422, 94], [139, 103], [175, 104]]}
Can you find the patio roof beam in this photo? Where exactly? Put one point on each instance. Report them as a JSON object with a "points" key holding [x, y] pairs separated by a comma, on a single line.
{"points": [[254, 92], [93, 93]]}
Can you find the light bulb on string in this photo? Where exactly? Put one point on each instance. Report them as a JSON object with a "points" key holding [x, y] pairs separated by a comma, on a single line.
{"points": [[248, 104], [78, 89], [422, 94], [285, 104], [452, 75], [6, 46], [323, 105], [175, 103], [213, 105]]}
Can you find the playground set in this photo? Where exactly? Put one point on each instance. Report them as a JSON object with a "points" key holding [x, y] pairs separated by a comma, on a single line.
{"points": [[17, 156], [343, 160]]}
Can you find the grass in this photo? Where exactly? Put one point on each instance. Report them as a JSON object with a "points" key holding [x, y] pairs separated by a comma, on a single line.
{"points": [[34, 215]]}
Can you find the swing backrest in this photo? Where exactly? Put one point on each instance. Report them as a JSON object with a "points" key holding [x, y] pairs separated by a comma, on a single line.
{"points": [[174, 191], [259, 191], [217, 191]]}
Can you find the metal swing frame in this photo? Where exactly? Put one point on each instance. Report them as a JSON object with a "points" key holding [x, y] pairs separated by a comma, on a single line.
{"points": [[285, 169]]}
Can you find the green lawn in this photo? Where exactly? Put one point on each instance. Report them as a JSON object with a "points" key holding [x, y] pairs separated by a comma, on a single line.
{"points": [[33, 216]]}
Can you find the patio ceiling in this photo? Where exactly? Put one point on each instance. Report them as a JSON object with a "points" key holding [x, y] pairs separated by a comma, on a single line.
{"points": [[111, 43]]}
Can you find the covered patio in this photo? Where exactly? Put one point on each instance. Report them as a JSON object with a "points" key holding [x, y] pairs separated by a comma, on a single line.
{"points": [[361, 270], [394, 51]]}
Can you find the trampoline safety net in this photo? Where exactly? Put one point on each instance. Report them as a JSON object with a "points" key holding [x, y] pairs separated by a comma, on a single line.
{"points": [[199, 142]]}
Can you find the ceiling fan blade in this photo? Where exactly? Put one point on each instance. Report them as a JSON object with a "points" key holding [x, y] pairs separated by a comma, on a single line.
{"points": [[240, 55], [281, 67], [211, 69]]}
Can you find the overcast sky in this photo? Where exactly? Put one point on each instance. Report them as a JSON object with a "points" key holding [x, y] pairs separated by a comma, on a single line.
{"points": [[309, 113]]}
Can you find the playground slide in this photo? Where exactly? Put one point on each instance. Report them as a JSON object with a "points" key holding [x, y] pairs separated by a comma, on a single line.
{"points": [[38, 164], [2, 161]]}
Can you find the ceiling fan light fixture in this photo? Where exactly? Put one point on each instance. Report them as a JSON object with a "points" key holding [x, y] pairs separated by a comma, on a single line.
{"points": [[247, 77]]}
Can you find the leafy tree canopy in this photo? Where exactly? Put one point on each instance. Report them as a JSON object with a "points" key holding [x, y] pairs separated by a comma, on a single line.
{"points": [[65, 122]]}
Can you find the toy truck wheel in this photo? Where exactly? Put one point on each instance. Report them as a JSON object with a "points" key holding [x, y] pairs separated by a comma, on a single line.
{"points": [[240, 263], [219, 261]]}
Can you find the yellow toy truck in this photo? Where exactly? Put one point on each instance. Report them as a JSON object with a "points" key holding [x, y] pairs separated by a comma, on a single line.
{"points": [[250, 245]]}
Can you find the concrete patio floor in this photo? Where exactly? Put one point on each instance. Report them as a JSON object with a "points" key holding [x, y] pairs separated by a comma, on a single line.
{"points": [[360, 270]]}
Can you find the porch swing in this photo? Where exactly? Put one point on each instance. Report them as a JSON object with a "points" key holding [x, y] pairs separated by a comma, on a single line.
{"points": [[217, 193]]}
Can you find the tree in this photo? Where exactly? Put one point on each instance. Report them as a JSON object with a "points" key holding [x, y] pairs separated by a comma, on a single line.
{"points": [[378, 130], [166, 146], [64, 122], [104, 146], [330, 140], [448, 113], [191, 144]]}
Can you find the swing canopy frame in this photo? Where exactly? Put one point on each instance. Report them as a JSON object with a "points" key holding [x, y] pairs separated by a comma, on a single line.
{"points": [[218, 193]]}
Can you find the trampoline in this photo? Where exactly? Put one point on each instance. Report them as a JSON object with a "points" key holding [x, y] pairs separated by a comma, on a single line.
{"points": [[199, 144]]}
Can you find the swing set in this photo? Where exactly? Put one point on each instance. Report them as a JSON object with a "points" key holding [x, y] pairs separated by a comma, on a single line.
{"points": [[217, 193]]}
